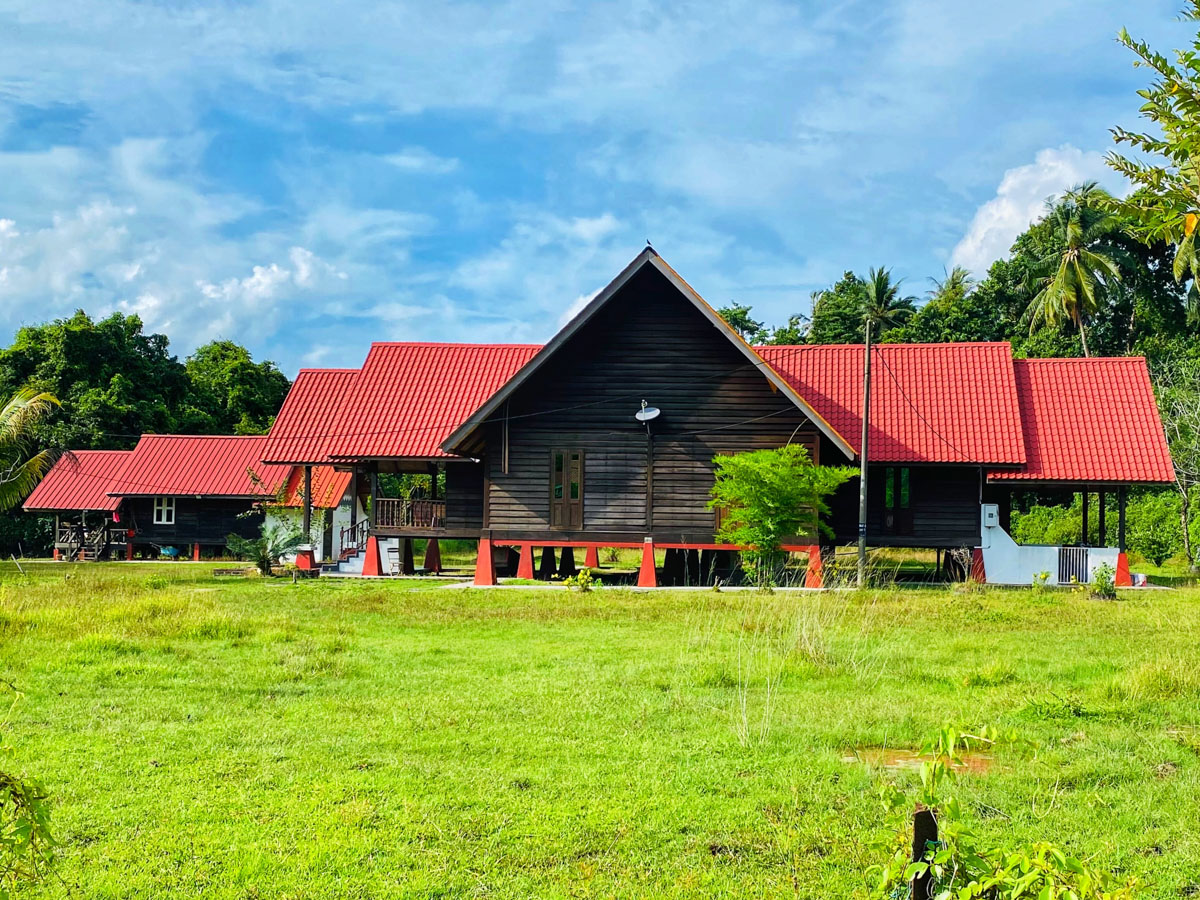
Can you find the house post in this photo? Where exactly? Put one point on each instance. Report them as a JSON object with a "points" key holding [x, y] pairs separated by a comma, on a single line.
{"points": [[373, 517], [1084, 539], [306, 561], [647, 577], [1122, 497], [525, 565], [1101, 518], [485, 568]]}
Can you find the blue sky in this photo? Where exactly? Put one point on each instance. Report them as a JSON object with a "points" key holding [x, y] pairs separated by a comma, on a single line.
{"points": [[305, 177]]}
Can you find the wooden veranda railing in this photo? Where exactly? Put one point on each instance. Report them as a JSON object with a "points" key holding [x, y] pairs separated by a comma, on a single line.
{"points": [[398, 513]]}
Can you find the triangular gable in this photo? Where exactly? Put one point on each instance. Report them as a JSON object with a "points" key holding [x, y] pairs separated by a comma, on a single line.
{"points": [[648, 257]]}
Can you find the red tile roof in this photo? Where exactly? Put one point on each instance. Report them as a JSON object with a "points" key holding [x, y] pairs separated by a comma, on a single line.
{"points": [[304, 422], [207, 465], [952, 403], [328, 487], [79, 480], [1089, 420], [403, 402]]}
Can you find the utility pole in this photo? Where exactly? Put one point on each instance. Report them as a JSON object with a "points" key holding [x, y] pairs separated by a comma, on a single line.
{"points": [[862, 460]]}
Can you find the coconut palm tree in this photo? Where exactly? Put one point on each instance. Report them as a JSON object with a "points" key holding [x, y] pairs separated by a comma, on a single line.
{"points": [[957, 283], [882, 303], [1074, 279], [20, 466]]}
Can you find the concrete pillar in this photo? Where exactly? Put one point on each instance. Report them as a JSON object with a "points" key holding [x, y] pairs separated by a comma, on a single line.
{"points": [[591, 558], [566, 563], [525, 564], [485, 569], [647, 576], [433, 556]]}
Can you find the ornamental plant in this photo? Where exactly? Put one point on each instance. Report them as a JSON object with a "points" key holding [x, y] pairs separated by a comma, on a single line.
{"points": [[768, 496], [962, 865]]}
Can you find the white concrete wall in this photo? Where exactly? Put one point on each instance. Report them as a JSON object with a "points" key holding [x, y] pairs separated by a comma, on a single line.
{"points": [[1007, 562]]}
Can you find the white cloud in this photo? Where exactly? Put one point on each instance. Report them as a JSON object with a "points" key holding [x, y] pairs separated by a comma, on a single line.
{"points": [[1021, 199], [420, 160]]}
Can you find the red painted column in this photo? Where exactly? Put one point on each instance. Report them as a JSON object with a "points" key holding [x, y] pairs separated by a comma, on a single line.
{"points": [[195, 553], [433, 556], [525, 566], [591, 557], [372, 564], [647, 577], [56, 553], [814, 575], [1122, 577], [978, 573], [305, 560], [128, 549], [485, 569]]}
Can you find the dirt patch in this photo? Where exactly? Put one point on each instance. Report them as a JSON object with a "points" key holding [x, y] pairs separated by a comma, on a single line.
{"points": [[899, 760]]}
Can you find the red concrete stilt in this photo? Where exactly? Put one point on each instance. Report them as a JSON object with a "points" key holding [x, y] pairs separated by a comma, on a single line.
{"points": [[372, 564], [1122, 578], [56, 553], [408, 565], [814, 576], [485, 569], [195, 552], [433, 556], [591, 557], [647, 577], [978, 573], [128, 550], [306, 560], [525, 566]]}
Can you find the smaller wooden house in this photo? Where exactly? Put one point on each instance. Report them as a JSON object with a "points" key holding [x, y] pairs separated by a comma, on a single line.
{"points": [[175, 495]]}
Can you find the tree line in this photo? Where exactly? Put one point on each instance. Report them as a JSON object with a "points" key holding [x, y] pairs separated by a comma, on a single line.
{"points": [[114, 382]]}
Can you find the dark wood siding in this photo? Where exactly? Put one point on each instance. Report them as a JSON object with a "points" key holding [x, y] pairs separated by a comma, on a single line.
{"points": [[464, 497], [647, 343], [944, 504], [204, 521]]}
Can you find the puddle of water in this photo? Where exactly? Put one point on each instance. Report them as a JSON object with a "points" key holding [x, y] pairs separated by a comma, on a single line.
{"points": [[898, 760]]}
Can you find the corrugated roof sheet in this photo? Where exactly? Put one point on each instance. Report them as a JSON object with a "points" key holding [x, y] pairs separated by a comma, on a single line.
{"points": [[304, 423], [408, 397], [206, 465], [79, 480], [328, 487], [951, 403], [1089, 420]]}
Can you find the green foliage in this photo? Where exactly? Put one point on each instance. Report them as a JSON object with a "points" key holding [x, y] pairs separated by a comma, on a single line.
{"points": [[230, 393], [1153, 530], [963, 865], [882, 303], [22, 464], [770, 495], [1074, 279], [837, 316], [738, 318], [1104, 582], [1166, 171], [265, 551], [26, 842], [581, 581]]}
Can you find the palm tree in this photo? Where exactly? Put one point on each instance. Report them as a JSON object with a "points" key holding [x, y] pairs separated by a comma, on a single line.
{"points": [[1073, 280], [20, 467], [957, 283], [882, 303]]}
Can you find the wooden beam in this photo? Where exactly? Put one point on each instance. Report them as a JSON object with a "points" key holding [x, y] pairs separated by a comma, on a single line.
{"points": [[1122, 498], [1084, 538], [1101, 519], [308, 506]]}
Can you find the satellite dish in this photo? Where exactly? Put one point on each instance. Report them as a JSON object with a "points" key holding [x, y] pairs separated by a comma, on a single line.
{"points": [[647, 413]]}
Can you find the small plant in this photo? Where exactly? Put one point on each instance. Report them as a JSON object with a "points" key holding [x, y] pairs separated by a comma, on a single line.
{"points": [[1040, 580], [266, 550], [26, 844], [1104, 582], [612, 555], [581, 581], [155, 582], [959, 866]]}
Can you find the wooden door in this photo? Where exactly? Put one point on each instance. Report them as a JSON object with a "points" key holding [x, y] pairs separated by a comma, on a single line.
{"points": [[566, 489]]}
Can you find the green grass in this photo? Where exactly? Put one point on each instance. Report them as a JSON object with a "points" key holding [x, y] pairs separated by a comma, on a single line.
{"points": [[245, 739]]}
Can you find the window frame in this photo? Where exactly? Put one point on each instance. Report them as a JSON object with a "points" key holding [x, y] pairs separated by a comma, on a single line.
{"points": [[164, 510]]}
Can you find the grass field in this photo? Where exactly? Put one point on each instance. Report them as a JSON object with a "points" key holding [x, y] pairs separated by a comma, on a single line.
{"points": [[249, 739]]}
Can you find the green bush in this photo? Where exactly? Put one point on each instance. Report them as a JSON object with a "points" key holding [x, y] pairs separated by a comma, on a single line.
{"points": [[1152, 530]]}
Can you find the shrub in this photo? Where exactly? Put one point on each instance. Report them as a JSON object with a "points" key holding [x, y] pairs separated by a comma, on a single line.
{"points": [[770, 495], [266, 550], [1104, 582], [1153, 529]]}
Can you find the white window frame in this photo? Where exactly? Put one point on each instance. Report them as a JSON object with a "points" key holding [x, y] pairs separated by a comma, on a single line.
{"points": [[164, 510]]}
